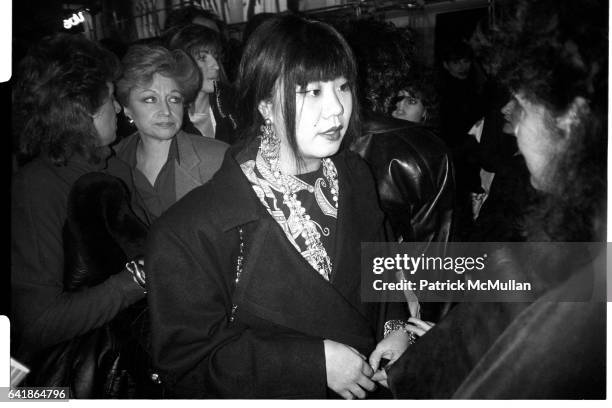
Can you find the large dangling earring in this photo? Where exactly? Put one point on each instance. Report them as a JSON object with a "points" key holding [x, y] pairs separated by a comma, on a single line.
{"points": [[270, 144]]}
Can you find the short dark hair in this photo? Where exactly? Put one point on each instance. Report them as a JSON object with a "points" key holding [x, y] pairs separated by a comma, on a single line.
{"points": [[193, 37], [295, 51], [142, 62], [60, 84]]}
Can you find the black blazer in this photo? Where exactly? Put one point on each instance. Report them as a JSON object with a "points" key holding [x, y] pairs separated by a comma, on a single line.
{"points": [[274, 348]]}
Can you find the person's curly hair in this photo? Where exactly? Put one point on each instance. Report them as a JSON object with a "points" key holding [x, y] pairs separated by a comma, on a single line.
{"points": [[420, 83], [554, 53], [59, 86], [384, 54]]}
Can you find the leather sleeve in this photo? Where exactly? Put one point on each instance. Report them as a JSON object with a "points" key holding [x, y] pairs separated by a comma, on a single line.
{"points": [[415, 181], [199, 352]]}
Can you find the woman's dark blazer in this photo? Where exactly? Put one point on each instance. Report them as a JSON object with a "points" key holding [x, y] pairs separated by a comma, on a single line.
{"points": [[200, 158], [43, 312], [274, 348]]}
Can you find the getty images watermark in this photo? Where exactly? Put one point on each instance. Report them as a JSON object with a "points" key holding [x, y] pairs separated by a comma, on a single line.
{"points": [[485, 271]]}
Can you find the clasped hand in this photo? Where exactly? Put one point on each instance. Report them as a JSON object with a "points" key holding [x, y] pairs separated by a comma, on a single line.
{"points": [[350, 374], [348, 371], [394, 345]]}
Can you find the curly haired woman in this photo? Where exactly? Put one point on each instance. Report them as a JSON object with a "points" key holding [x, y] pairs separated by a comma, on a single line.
{"points": [[553, 347]]}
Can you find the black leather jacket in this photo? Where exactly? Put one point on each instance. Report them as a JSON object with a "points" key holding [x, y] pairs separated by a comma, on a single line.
{"points": [[414, 177]]}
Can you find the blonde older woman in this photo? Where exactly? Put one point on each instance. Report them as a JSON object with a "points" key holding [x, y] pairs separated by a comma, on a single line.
{"points": [[166, 162]]}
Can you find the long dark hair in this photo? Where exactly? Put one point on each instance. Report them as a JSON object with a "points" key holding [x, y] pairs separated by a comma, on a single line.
{"points": [[60, 85], [295, 51], [193, 37]]}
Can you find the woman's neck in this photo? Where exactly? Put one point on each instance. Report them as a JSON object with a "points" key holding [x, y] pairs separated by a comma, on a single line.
{"points": [[289, 164], [151, 155], [201, 103]]}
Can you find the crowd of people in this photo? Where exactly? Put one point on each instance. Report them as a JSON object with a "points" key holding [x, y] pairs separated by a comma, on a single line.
{"points": [[180, 230]]}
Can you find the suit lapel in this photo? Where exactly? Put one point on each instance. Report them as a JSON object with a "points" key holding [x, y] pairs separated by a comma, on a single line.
{"points": [[347, 261], [345, 234], [187, 173]]}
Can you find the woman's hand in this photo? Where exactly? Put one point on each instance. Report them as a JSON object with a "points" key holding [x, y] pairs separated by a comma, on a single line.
{"points": [[348, 372], [394, 345], [390, 348]]}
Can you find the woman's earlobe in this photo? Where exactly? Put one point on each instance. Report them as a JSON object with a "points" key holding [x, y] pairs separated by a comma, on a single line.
{"points": [[265, 108], [128, 115], [578, 110]]}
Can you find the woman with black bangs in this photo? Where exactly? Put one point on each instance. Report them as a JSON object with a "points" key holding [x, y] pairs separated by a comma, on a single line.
{"points": [[255, 289]]}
